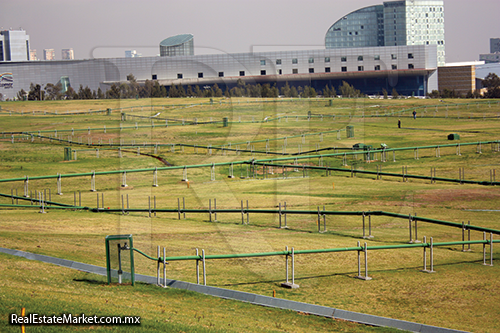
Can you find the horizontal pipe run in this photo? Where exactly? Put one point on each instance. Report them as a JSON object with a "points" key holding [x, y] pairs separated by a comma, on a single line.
{"points": [[318, 251]]}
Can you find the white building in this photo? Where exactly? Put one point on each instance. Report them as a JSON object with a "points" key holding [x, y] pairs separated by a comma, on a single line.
{"points": [[14, 45]]}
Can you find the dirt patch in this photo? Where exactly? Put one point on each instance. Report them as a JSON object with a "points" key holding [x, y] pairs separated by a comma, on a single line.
{"points": [[459, 194]]}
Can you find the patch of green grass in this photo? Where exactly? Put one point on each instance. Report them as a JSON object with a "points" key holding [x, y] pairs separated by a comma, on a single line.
{"points": [[398, 289]]}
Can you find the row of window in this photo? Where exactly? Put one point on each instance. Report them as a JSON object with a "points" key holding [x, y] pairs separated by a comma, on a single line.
{"points": [[296, 71], [342, 59]]}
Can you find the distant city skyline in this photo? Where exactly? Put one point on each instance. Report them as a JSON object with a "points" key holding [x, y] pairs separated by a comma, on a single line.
{"points": [[106, 28]]}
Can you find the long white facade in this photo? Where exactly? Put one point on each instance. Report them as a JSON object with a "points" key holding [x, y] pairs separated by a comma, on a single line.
{"points": [[409, 69]]}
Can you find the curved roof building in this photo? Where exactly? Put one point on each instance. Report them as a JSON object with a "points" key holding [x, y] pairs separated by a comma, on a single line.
{"points": [[394, 23], [180, 45], [361, 28]]}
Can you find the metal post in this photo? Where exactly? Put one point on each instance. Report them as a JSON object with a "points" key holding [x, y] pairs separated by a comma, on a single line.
{"points": [[293, 268], [243, 215], [409, 222], [178, 209], [468, 231], [164, 269], [491, 249], [209, 210], [184, 208], [359, 262], [432, 257], [124, 179], [364, 233], [279, 214], [26, 182], [149, 210], [197, 268], [366, 263], [286, 263], [158, 268], [285, 216], [425, 255], [155, 177], [92, 182], [319, 220], [204, 268], [248, 214]]}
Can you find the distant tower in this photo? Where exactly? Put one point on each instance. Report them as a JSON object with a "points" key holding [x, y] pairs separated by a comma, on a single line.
{"points": [[494, 45], [68, 54], [180, 45], [14, 45], [33, 55], [49, 54]]}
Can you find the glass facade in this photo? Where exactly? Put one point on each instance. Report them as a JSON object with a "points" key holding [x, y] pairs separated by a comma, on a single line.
{"points": [[362, 28], [180, 45], [395, 23]]}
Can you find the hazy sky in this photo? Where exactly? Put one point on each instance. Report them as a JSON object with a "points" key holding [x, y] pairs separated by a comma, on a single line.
{"points": [[105, 28]]}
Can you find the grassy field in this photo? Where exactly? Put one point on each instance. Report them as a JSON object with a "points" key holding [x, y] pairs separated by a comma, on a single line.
{"points": [[460, 295]]}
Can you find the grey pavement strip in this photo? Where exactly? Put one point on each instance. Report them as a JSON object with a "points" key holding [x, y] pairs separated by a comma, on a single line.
{"points": [[248, 297]]}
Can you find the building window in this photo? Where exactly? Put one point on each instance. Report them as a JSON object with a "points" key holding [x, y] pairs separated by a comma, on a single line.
{"points": [[377, 67], [361, 68], [262, 62], [410, 66], [263, 72], [394, 56], [221, 74], [360, 58], [410, 55], [327, 59], [394, 66], [278, 61], [295, 61], [344, 69], [179, 76], [280, 71], [377, 57], [242, 73], [343, 59], [200, 75], [311, 70], [295, 71], [327, 69], [154, 77], [311, 60]]}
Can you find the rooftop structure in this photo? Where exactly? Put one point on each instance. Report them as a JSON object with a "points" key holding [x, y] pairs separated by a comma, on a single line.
{"points": [[180, 45]]}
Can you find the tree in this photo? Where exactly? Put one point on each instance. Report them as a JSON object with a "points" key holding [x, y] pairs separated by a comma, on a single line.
{"points": [[492, 82], [385, 93], [347, 90], [36, 93], [22, 95], [217, 91], [394, 93], [53, 91], [293, 92], [100, 94], [285, 90]]}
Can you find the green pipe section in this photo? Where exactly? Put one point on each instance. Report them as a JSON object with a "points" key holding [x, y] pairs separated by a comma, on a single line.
{"points": [[317, 251]]}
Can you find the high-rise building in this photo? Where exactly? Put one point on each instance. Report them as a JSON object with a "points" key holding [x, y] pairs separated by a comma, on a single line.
{"points": [[33, 55], [67, 54], [14, 45], [49, 54], [394, 23], [494, 45], [494, 55]]}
